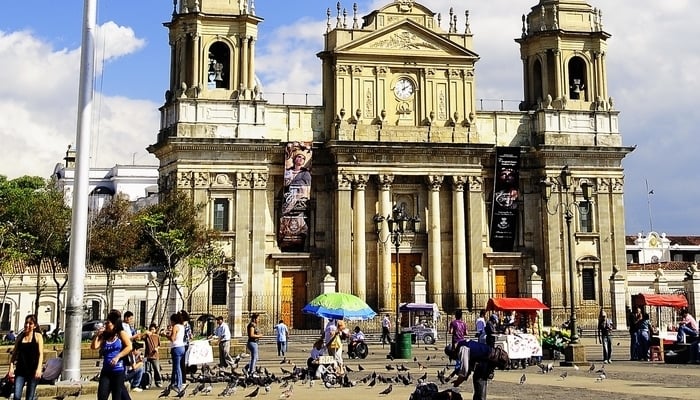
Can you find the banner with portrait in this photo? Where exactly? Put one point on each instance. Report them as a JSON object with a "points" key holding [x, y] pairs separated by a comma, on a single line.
{"points": [[294, 229], [506, 193]]}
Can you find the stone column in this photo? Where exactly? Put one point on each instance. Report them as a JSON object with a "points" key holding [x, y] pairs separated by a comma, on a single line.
{"points": [[244, 65], [384, 286], [435, 240], [359, 243], [241, 251], [618, 296], [343, 232], [475, 236], [459, 251], [534, 284], [418, 286], [251, 63], [692, 287], [235, 304], [257, 240]]}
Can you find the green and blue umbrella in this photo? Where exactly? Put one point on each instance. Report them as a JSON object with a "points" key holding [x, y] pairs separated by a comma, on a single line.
{"points": [[339, 306]]}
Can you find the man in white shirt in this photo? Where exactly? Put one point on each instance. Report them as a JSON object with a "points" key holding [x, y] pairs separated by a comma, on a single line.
{"points": [[386, 328], [223, 332], [282, 332]]}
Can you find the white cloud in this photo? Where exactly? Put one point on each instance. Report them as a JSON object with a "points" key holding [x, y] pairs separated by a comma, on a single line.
{"points": [[38, 104]]}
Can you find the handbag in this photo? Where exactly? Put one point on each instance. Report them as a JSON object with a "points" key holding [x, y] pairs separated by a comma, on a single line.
{"points": [[335, 343], [7, 386]]}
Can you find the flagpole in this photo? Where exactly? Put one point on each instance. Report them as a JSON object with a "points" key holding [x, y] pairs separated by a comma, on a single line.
{"points": [[649, 193], [78, 239]]}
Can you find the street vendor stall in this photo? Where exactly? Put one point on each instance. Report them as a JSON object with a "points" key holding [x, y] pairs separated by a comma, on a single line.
{"points": [[522, 341], [664, 323]]}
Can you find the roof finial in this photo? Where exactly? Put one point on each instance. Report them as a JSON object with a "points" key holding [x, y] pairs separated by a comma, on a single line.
{"points": [[451, 25], [354, 16], [338, 20], [439, 17], [467, 29], [174, 7], [454, 25], [328, 20], [345, 18], [600, 19], [252, 7], [543, 26], [524, 26], [555, 19]]}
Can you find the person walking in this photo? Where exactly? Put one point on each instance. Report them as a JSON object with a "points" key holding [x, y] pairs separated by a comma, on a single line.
{"points": [[223, 333], [386, 328], [457, 328], [605, 328], [27, 359], [481, 325], [254, 336], [282, 332], [114, 344]]}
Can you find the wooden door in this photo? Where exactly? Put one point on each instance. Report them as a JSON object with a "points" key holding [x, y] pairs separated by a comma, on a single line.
{"points": [[506, 284], [407, 272], [293, 298]]}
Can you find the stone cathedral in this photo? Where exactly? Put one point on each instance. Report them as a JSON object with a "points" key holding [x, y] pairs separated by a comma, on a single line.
{"points": [[400, 175]]}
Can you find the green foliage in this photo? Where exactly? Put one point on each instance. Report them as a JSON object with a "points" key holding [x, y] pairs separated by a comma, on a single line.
{"points": [[556, 339]]}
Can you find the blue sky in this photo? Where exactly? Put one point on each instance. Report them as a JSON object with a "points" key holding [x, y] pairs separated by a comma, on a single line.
{"points": [[653, 62]]}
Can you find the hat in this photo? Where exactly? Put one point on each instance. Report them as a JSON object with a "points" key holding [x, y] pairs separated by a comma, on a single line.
{"points": [[298, 152], [494, 317]]}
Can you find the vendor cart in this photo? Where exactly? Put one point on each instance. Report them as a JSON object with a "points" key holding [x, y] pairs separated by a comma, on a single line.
{"points": [[422, 319], [523, 348]]}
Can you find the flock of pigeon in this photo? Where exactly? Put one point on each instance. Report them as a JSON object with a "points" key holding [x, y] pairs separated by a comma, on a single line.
{"points": [[549, 367]]}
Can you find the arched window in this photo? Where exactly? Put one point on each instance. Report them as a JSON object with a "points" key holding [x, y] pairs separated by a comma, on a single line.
{"points": [[219, 75], [577, 79]]}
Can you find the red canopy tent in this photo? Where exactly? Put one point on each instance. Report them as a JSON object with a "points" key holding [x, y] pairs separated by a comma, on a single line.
{"points": [[661, 300], [515, 304]]}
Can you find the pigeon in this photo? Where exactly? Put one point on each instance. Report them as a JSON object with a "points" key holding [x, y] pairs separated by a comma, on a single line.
{"points": [[387, 390], [563, 375], [181, 393], [591, 368], [164, 393], [360, 367], [373, 382], [415, 359], [253, 393], [198, 389], [267, 389], [576, 367], [523, 378], [207, 389], [600, 378], [347, 368], [601, 370], [389, 367]]}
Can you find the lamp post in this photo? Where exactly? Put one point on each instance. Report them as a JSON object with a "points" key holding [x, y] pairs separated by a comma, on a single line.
{"points": [[566, 207], [397, 224]]}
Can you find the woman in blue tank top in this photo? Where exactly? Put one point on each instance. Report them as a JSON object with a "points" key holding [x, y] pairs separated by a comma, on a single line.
{"points": [[114, 344]]}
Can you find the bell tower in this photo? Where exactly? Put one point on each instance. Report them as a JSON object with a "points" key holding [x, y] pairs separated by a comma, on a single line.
{"points": [[563, 48], [213, 49]]}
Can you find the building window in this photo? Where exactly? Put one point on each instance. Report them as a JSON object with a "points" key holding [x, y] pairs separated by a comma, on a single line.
{"points": [[219, 288], [143, 310], [585, 217], [588, 284], [221, 214]]}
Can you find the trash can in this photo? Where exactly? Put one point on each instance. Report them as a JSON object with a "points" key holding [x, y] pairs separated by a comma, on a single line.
{"points": [[402, 347]]}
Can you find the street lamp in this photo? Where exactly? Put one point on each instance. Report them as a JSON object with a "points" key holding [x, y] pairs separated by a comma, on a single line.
{"points": [[397, 223], [565, 207]]}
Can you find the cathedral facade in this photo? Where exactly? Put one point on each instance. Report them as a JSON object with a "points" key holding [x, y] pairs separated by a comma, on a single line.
{"points": [[398, 168]]}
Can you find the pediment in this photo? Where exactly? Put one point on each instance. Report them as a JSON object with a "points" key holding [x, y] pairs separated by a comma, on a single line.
{"points": [[406, 38]]}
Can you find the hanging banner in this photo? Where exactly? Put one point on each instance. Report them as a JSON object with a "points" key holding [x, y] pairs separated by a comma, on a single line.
{"points": [[293, 228], [504, 209]]}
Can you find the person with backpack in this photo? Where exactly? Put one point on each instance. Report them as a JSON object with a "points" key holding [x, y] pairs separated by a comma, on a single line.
{"points": [[479, 359], [152, 342]]}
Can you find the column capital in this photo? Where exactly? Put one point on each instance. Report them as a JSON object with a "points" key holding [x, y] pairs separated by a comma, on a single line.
{"points": [[385, 181], [360, 181], [244, 180], [458, 182], [259, 180], [435, 181], [476, 183], [344, 181]]}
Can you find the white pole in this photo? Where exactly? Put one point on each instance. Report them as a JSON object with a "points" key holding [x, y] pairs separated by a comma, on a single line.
{"points": [[78, 240]]}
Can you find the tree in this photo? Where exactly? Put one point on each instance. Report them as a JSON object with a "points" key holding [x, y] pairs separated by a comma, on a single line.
{"points": [[115, 239], [37, 211], [174, 234], [15, 249], [208, 259]]}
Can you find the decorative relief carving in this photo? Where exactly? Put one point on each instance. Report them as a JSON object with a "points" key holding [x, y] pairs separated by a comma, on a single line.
{"points": [[369, 103], [442, 105], [603, 185], [201, 179], [617, 185], [184, 179], [430, 71], [405, 5], [435, 182], [222, 180], [458, 182], [343, 69], [455, 73], [356, 69], [259, 180], [381, 70], [403, 41], [476, 183], [244, 180]]}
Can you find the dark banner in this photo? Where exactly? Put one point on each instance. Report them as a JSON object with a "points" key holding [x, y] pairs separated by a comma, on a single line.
{"points": [[504, 214], [293, 228]]}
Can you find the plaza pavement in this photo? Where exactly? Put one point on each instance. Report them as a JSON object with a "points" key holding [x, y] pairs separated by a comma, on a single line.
{"points": [[623, 379]]}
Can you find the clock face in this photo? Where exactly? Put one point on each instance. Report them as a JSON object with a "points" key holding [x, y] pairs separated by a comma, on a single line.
{"points": [[403, 88]]}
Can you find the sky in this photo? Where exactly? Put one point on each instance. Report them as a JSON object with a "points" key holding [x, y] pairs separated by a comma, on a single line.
{"points": [[653, 61]]}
